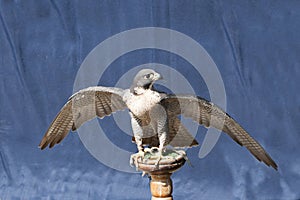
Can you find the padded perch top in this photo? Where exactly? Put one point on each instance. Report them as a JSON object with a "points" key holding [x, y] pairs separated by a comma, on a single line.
{"points": [[171, 161]]}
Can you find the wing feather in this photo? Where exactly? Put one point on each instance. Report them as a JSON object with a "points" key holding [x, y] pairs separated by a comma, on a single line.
{"points": [[81, 107], [179, 136], [210, 115]]}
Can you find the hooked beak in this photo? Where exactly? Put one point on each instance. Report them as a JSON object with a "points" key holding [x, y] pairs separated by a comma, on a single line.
{"points": [[157, 76]]}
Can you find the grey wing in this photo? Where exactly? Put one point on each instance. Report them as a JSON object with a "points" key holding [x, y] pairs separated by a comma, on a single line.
{"points": [[179, 136], [210, 115], [81, 107]]}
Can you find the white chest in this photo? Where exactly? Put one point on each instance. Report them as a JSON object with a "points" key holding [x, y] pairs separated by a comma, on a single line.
{"points": [[141, 104]]}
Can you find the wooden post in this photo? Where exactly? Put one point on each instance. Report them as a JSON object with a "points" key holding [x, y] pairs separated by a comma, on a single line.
{"points": [[161, 183], [161, 186]]}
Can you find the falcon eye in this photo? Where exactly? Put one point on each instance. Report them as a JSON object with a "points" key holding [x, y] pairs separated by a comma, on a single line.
{"points": [[148, 76]]}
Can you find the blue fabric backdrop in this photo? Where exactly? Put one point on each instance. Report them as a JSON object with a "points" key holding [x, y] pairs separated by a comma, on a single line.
{"points": [[255, 45]]}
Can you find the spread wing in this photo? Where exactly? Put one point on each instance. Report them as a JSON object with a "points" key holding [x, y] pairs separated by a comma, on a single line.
{"points": [[81, 107], [210, 115]]}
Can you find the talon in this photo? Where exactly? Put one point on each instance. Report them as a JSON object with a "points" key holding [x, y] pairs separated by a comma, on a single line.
{"points": [[141, 154], [134, 159], [159, 155], [157, 162], [131, 161]]}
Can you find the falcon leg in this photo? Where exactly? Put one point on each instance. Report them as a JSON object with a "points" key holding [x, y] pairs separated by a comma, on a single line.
{"points": [[161, 149], [159, 154], [141, 152], [138, 135], [139, 144], [159, 123]]}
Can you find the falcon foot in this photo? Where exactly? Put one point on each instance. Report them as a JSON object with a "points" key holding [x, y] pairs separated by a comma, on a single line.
{"points": [[157, 159], [167, 154], [154, 154], [135, 157]]}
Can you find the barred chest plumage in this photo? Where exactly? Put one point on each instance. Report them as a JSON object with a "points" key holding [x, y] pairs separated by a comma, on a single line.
{"points": [[141, 103]]}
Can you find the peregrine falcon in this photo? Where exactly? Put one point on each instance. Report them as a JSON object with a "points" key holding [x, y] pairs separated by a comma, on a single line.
{"points": [[154, 116]]}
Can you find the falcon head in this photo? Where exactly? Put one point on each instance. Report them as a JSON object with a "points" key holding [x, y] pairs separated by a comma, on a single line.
{"points": [[144, 79]]}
